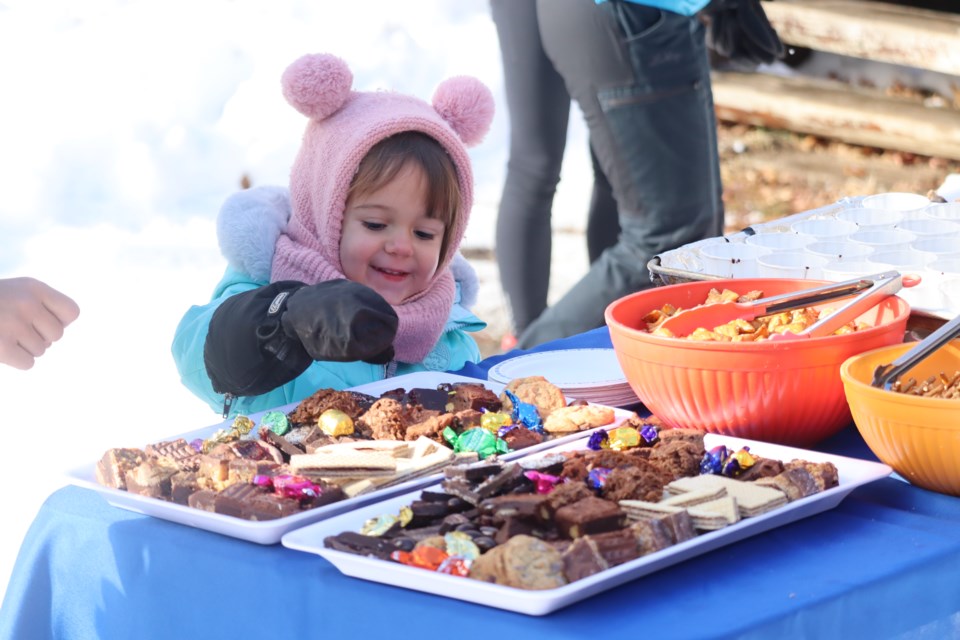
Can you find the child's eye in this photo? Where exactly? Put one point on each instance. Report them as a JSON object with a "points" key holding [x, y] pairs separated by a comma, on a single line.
{"points": [[426, 235], [374, 226]]}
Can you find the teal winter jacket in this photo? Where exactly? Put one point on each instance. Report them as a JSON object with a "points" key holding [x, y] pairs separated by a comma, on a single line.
{"points": [[247, 228]]}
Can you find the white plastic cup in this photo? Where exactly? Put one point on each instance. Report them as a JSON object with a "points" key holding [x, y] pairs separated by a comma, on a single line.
{"points": [[779, 241], [791, 264], [881, 239], [926, 226], [731, 259], [840, 270], [870, 218], [824, 228], [839, 250], [938, 246], [950, 294], [896, 201], [949, 211], [939, 271], [903, 260]]}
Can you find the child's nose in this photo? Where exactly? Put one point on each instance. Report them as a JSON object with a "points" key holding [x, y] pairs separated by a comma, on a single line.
{"points": [[399, 244]]}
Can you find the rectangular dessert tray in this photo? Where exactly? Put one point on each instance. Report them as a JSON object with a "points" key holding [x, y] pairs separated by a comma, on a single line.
{"points": [[271, 531], [852, 473]]}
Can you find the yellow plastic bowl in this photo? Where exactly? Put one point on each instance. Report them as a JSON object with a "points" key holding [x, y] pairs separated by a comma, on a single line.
{"points": [[787, 392], [919, 437]]}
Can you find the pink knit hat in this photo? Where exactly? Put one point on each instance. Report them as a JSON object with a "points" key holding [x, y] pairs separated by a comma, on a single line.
{"points": [[344, 125]]}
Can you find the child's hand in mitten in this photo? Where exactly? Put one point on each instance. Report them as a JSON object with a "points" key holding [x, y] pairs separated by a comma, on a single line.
{"points": [[342, 321]]}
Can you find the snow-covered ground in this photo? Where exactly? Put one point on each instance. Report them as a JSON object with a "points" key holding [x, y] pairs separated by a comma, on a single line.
{"points": [[123, 125]]}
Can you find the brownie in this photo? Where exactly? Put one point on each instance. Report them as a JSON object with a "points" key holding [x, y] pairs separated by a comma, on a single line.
{"points": [[361, 544], [431, 399], [285, 446], [616, 547], [651, 535], [470, 395], [151, 478], [112, 468], [564, 494], [203, 499], [269, 506], [634, 483], [182, 485], [231, 501], [590, 515], [582, 559], [520, 438], [762, 468], [678, 458], [524, 505]]}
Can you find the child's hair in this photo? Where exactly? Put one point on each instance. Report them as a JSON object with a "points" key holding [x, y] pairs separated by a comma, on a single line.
{"points": [[389, 156]]}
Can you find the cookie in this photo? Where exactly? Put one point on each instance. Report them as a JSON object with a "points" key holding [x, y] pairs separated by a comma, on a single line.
{"points": [[577, 418], [531, 563], [536, 390]]}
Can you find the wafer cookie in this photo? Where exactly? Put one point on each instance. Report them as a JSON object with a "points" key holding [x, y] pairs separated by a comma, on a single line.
{"points": [[752, 499], [715, 514], [345, 464]]}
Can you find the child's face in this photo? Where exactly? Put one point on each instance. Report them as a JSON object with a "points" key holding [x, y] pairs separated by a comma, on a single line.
{"points": [[388, 242]]}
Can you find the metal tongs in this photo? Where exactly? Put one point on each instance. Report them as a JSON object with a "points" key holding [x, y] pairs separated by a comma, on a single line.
{"points": [[870, 290], [886, 375]]}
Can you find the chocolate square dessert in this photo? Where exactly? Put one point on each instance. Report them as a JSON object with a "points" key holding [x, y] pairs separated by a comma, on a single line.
{"points": [[590, 515], [112, 468]]}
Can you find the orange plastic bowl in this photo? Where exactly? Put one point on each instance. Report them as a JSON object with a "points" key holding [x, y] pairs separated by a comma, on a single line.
{"points": [[787, 392], [919, 437]]}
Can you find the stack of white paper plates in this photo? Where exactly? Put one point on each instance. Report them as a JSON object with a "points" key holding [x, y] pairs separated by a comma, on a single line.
{"points": [[593, 375]]}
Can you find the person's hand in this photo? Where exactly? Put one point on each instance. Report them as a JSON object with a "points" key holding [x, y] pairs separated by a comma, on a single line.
{"points": [[342, 321], [739, 30], [33, 316]]}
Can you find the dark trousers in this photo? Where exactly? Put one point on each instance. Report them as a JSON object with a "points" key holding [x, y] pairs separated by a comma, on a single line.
{"points": [[539, 109], [642, 80]]}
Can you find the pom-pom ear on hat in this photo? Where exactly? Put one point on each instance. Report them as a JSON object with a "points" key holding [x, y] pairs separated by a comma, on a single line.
{"points": [[317, 85], [466, 104]]}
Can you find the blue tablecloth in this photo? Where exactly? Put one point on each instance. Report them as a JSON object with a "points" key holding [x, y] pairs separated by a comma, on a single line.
{"points": [[886, 561]]}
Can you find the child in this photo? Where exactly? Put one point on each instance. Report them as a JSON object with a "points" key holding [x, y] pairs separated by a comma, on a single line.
{"points": [[363, 281]]}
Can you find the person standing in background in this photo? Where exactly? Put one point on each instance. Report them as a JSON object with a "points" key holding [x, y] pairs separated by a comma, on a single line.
{"points": [[539, 109], [33, 316], [641, 76]]}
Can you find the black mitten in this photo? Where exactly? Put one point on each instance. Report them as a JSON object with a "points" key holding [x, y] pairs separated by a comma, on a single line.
{"points": [[261, 339], [740, 30], [342, 321]]}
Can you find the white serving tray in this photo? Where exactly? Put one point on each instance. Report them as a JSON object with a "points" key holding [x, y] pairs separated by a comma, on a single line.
{"points": [[271, 531], [852, 472]]}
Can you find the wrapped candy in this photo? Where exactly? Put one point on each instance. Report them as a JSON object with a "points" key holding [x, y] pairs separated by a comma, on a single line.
{"points": [[242, 425], [524, 413], [597, 477], [334, 422], [478, 439], [623, 438], [461, 545], [494, 421], [455, 566], [276, 421], [379, 525], [220, 436], [650, 434], [598, 440], [713, 460], [544, 482]]}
